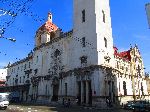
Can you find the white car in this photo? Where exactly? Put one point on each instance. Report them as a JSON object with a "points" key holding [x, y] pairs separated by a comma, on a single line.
{"points": [[4, 100]]}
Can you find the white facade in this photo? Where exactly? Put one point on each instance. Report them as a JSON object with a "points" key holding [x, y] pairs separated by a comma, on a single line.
{"points": [[95, 28], [81, 63], [19, 75], [3, 74]]}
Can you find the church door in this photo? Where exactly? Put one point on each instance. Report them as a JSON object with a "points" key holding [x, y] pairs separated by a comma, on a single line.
{"points": [[90, 93], [55, 92], [55, 84]]}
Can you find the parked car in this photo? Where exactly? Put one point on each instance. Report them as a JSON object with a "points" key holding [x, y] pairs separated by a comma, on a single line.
{"points": [[129, 105], [147, 106], [4, 100], [14, 97], [142, 106]]}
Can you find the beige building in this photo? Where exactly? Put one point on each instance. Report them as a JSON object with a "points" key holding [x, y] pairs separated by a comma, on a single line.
{"points": [[147, 78]]}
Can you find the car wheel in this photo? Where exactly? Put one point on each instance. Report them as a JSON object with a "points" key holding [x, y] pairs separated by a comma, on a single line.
{"points": [[4, 108]]}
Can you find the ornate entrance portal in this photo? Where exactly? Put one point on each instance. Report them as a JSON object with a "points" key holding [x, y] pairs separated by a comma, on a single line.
{"points": [[84, 92]]}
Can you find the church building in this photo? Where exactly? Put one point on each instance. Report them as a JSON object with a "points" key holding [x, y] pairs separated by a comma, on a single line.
{"points": [[79, 64]]}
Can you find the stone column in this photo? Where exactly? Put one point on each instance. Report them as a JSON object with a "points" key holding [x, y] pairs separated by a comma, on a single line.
{"points": [[111, 95], [60, 88], [87, 92], [105, 88], [77, 88], [82, 92]]}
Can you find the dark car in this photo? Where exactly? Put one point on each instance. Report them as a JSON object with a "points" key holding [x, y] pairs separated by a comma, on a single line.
{"points": [[147, 107], [142, 106], [129, 105]]}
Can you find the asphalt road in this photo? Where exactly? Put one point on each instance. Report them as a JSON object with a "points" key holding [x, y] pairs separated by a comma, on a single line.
{"points": [[29, 108], [3, 110]]}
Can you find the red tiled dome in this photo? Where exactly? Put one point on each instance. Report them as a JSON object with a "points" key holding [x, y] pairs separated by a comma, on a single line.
{"points": [[49, 26]]}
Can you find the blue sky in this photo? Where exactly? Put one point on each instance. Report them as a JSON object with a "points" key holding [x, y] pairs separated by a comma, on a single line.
{"points": [[129, 24]]}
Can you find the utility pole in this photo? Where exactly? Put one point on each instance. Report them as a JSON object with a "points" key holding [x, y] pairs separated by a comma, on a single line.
{"points": [[147, 8]]}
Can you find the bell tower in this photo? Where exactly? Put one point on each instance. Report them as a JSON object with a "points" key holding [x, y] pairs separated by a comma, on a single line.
{"points": [[92, 26]]}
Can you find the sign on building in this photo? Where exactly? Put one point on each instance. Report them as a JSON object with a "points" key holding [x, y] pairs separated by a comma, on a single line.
{"points": [[147, 8]]}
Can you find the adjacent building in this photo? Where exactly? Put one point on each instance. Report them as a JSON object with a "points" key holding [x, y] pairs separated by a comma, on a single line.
{"points": [[81, 63], [147, 78], [3, 74]]}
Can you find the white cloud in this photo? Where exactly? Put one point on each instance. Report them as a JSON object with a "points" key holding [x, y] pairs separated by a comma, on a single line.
{"points": [[3, 64], [143, 37], [121, 49]]}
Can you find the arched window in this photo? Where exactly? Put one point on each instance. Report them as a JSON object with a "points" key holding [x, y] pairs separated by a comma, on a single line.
{"points": [[103, 16], [105, 41], [83, 59], [56, 53], [38, 40]]}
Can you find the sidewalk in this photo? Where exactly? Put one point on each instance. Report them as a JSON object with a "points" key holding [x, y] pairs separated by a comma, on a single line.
{"points": [[30, 107]]}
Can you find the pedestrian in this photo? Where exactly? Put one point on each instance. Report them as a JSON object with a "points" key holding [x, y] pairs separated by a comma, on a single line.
{"points": [[107, 102], [77, 100], [68, 103], [110, 103], [63, 101]]}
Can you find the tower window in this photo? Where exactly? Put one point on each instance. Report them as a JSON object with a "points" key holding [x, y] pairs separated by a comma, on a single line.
{"points": [[83, 15], [105, 41], [83, 42], [103, 16]]}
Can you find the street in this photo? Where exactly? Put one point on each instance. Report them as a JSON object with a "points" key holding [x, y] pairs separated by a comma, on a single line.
{"points": [[27, 108]]}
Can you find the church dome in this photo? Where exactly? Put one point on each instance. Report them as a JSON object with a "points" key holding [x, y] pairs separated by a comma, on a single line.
{"points": [[48, 26], [46, 32]]}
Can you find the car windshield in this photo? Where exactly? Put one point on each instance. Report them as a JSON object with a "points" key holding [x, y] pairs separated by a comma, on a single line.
{"points": [[130, 101], [4, 98]]}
